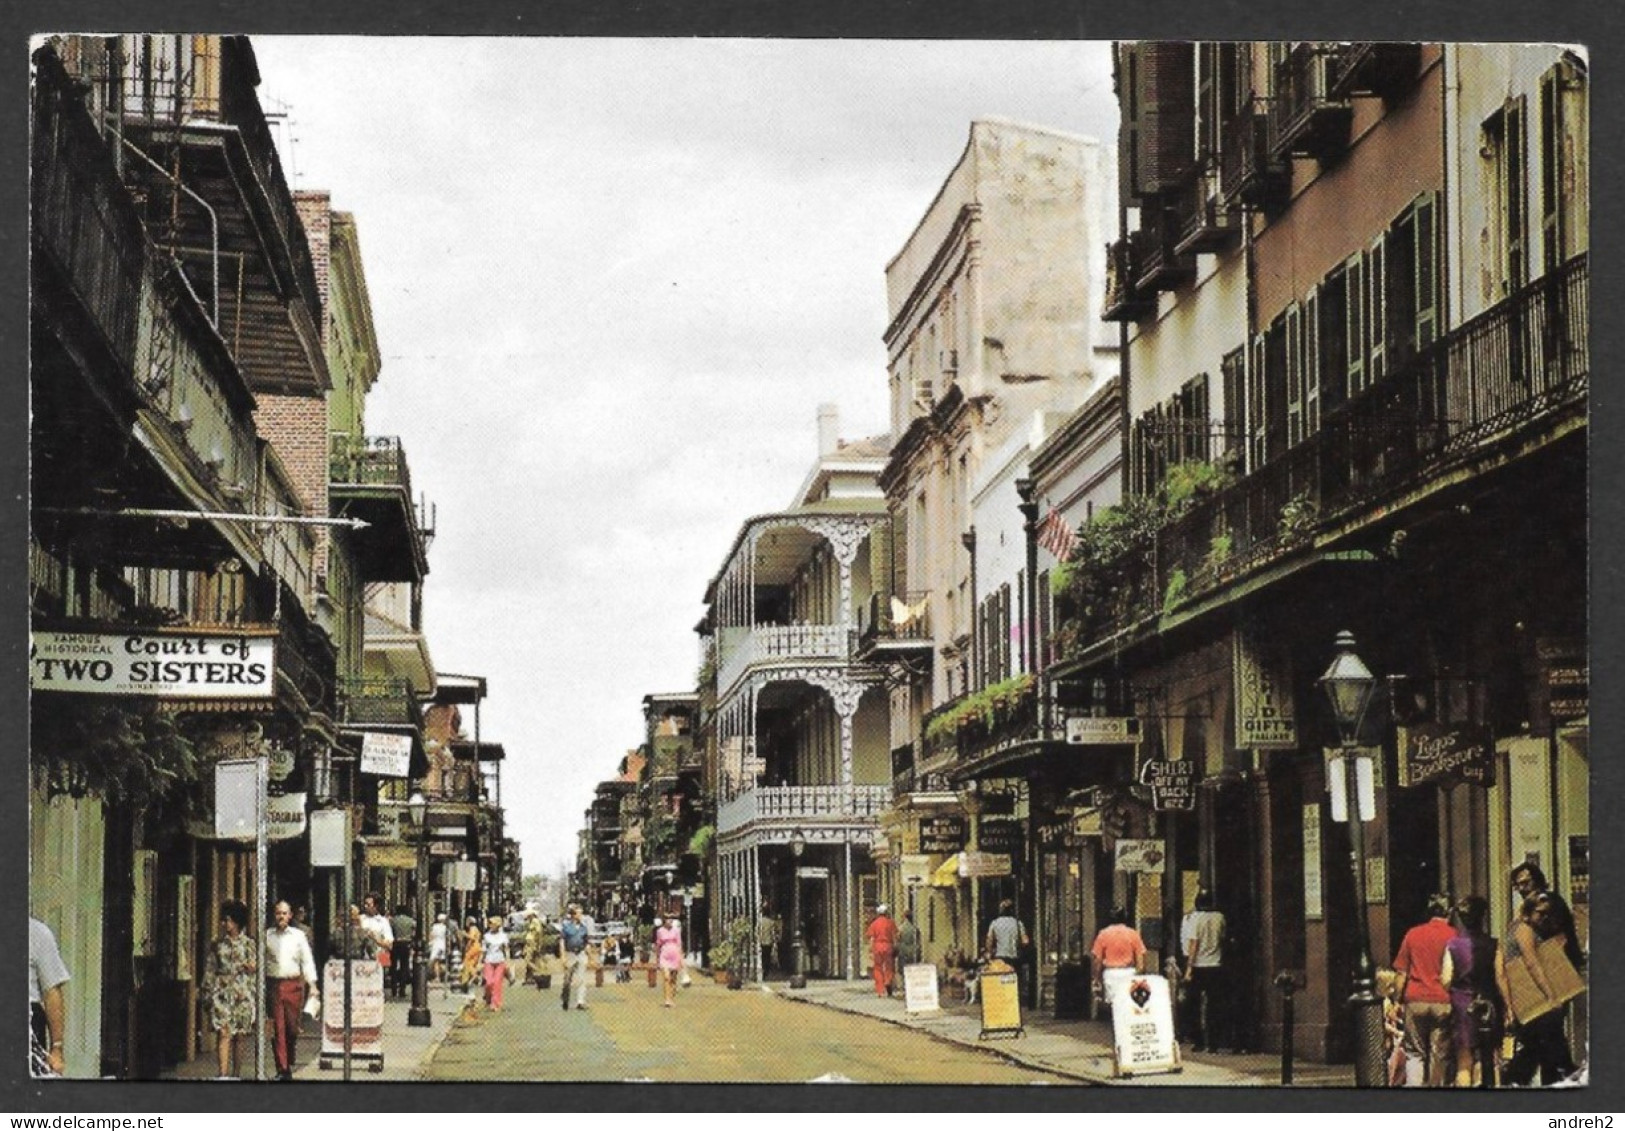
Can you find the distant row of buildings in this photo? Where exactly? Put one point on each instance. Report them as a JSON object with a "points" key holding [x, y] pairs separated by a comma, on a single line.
{"points": [[202, 348], [1057, 637]]}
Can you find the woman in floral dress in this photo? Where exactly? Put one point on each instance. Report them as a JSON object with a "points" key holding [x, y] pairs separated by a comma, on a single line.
{"points": [[231, 983]]}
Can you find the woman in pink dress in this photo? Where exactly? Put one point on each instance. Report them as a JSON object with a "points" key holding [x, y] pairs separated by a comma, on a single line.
{"points": [[669, 956]]}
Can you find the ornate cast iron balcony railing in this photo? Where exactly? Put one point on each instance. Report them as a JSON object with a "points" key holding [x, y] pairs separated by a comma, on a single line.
{"points": [[802, 802], [779, 643]]}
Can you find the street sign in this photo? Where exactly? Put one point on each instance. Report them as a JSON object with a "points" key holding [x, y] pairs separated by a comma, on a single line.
{"points": [[1085, 730], [915, 869]]}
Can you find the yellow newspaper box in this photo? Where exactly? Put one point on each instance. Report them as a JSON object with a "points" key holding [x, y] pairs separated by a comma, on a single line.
{"points": [[1001, 1001]]}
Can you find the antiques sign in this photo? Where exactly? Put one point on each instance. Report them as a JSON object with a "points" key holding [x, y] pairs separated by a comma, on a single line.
{"points": [[1173, 784], [1264, 715], [942, 834], [178, 665], [1433, 752]]}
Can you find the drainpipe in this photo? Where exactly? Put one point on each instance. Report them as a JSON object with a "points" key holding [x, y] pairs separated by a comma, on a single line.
{"points": [[1026, 488], [968, 540]]}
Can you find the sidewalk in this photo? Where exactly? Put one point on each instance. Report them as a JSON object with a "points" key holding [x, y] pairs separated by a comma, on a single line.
{"points": [[407, 1050], [1079, 1049]]}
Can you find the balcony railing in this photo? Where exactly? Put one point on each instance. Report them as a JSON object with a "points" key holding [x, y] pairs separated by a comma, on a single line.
{"points": [[802, 802], [1205, 224], [779, 643], [1125, 302], [1250, 175], [1384, 69], [372, 461], [883, 622], [1011, 724], [1515, 365], [1306, 115], [82, 216], [1156, 252]]}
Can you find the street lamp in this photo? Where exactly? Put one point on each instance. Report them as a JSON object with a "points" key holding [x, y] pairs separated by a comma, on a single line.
{"points": [[417, 812], [1349, 684], [798, 969]]}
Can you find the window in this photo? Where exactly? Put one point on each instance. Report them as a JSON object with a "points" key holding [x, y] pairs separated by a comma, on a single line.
{"points": [[1506, 174], [1562, 139], [1233, 378]]}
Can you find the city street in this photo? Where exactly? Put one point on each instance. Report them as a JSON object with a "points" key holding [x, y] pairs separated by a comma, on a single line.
{"points": [[713, 1035]]}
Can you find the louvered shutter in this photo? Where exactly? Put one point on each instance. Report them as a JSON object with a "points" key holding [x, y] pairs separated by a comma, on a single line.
{"points": [[1355, 335], [1376, 310], [1311, 375], [1427, 270]]}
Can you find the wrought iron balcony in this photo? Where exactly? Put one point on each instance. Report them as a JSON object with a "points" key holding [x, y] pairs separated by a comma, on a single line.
{"points": [[792, 803], [1156, 251], [1000, 723], [894, 625], [370, 480], [1387, 70], [1250, 175], [1521, 368], [1205, 224], [743, 648], [1125, 302], [1307, 117]]}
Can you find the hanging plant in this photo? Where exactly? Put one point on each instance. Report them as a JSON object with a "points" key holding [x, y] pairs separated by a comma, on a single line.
{"points": [[126, 752], [700, 843]]}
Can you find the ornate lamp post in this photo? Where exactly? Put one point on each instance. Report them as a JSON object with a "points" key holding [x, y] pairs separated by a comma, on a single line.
{"points": [[417, 812], [1349, 684], [798, 969]]}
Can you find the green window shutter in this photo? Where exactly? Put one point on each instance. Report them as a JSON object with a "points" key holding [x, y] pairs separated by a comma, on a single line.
{"points": [[1310, 368], [1294, 375], [1355, 337], [1376, 310], [1257, 418], [1427, 270]]}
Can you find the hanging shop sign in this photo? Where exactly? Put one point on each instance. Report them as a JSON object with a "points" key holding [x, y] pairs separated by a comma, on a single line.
{"points": [[975, 864], [1173, 784], [1264, 713], [389, 755], [812, 872], [1087, 730], [155, 663], [285, 816], [942, 834], [1140, 855], [999, 836], [1313, 901], [1565, 678], [444, 848], [402, 856], [1433, 752], [389, 823]]}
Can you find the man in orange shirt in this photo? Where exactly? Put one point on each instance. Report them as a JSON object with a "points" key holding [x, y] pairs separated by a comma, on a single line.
{"points": [[882, 936], [1427, 1002], [1118, 953]]}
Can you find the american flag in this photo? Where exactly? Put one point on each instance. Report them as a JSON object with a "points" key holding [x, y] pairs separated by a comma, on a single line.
{"points": [[1056, 535]]}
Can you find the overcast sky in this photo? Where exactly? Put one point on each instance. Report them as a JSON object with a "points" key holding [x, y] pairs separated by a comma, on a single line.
{"points": [[612, 282]]}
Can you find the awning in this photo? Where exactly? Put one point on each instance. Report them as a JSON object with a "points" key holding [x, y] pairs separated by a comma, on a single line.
{"points": [[947, 873]]}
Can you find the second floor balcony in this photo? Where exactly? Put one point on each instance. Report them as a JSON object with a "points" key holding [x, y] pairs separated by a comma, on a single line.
{"points": [[1250, 174], [789, 804], [1125, 301], [1308, 116], [744, 648], [893, 626], [369, 479]]}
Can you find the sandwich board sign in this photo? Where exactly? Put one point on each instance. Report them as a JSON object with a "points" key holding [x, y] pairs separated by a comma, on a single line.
{"points": [[1143, 1027]]}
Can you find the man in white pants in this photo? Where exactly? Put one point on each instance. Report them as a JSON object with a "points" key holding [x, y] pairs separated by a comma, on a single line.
{"points": [[573, 952]]}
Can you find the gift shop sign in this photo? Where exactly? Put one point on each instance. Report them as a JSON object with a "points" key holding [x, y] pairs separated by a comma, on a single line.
{"points": [[170, 665], [1264, 715]]}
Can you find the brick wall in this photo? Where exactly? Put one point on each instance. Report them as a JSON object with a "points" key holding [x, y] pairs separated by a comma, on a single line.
{"points": [[296, 429], [315, 207]]}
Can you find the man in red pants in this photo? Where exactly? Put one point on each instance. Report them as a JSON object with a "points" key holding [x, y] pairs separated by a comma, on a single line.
{"points": [[882, 936], [289, 969]]}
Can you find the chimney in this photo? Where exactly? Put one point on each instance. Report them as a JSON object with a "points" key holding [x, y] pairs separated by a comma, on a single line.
{"points": [[829, 429]]}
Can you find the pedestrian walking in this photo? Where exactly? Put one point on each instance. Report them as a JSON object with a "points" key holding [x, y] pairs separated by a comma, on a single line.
{"points": [[376, 925], [438, 941], [1118, 954], [882, 935], [573, 953], [495, 958], [1542, 1043], [669, 956], [1201, 939], [290, 973], [473, 956], [229, 982], [1007, 940], [768, 936], [1420, 961], [1468, 973], [910, 946], [47, 1002], [404, 931]]}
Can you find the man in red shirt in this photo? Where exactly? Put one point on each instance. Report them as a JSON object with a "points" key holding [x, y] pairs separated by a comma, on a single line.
{"points": [[1427, 1002], [1118, 953], [882, 936]]}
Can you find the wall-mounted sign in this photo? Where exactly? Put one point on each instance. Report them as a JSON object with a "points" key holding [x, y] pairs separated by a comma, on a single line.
{"points": [[387, 754], [329, 838], [1433, 752], [915, 869], [1264, 714], [389, 823], [974, 864], [281, 760], [1086, 730], [158, 663], [812, 872], [237, 786], [1141, 855], [285, 816], [1313, 907], [401, 856], [443, 848], [1173, 784], [942, 834]]}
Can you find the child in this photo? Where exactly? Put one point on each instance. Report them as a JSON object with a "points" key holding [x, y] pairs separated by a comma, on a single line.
{"points": [[1393, 1026]]}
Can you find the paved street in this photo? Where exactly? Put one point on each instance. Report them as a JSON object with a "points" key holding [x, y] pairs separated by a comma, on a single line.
{"points": [[712, 1035]]}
